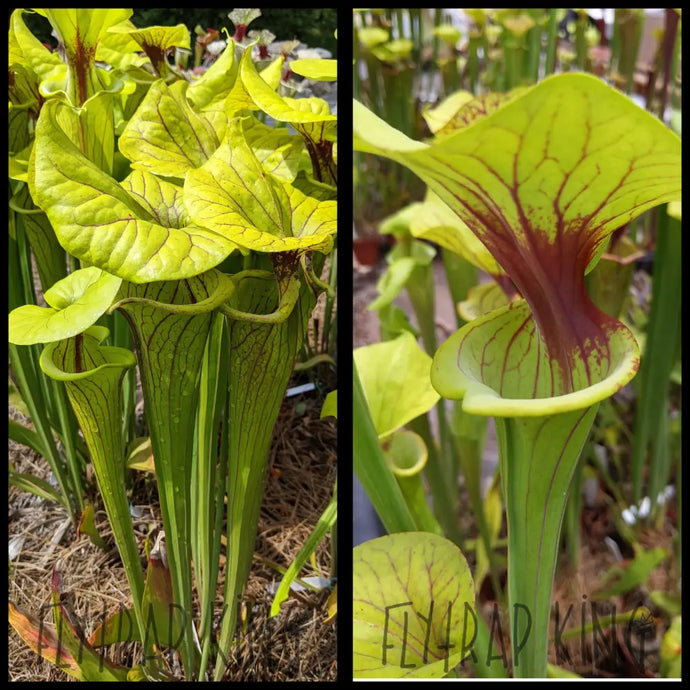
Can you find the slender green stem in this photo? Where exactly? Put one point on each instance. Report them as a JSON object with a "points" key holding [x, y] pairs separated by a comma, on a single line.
{"points": [[473, 61], [511, 50], [443, 492], [327, 519], [438, 20], [668, 56], [407, 456], [614, 61], [581, 58], [533, 54], [573, 511], [537, 457], [373, 77], [469, 433], [327, 340], [23, 363], [221, 487], [69, 433], [551, 42]]}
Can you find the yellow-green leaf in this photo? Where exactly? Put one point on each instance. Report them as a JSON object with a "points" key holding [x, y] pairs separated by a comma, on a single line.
{"points": [[99, 222], [26, 49], [87, 526], [300, 110], [217, 81], [434, 221], [330, 405], [413, 606], [440, 115], [482, 299], [166, 136], [140, 455], [399, 391], [79, 31], [269, 215], [76, 302], [316, 69]]}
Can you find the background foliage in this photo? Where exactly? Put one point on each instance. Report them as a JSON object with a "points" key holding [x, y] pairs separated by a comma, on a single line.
{"points": [[312, 26]]}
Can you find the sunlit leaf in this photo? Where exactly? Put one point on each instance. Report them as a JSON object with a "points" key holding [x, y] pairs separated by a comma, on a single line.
{"points": [[412, 608], [438, 116], [217, 81], [311, 117], [76, 302], [119, 49], [79, 32], [330, 405], [269, 216], [400, 391], [434, 221], [498, 365], [316, 69], [26, 49], [239, 99], [166, 136], [279, 152], [99, 222], [542, 202], [155, 41]]}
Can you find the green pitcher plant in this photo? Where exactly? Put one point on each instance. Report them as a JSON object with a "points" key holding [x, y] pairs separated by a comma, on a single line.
{"points": [[542, 180], [207, 230]]}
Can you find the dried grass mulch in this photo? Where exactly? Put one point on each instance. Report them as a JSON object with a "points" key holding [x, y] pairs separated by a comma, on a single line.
{"points": [[296, 645]]}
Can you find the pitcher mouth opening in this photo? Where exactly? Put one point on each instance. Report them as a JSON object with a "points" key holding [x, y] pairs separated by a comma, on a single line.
{"points": [[498, 366], [108, 357]]}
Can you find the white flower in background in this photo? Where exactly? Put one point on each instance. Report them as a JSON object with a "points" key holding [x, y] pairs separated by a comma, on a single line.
{"points": [[641, 511], [216, 48]]}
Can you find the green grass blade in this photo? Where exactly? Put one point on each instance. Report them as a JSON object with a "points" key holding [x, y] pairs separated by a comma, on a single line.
{"points": [[22, 362], [372, 470], [326, 521], [26, 437], [213, 386], [36, 486], [659, 354]]}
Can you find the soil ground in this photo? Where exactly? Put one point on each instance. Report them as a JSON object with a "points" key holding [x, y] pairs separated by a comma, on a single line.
{"points": [[296, 645]]}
